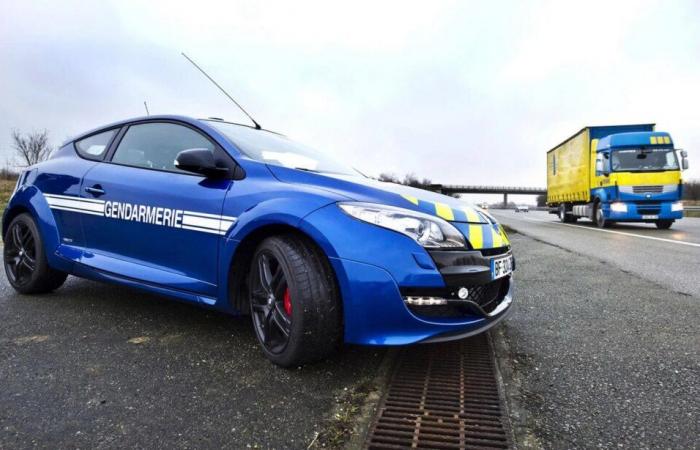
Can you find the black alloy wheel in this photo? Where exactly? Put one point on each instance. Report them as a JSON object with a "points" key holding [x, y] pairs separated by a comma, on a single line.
{"points": [[270, 303], [20, 253], [26, 266], [294, 301]]}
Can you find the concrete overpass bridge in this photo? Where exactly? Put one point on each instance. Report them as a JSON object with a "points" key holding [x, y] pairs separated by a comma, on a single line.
{"points": [[475, 189]]}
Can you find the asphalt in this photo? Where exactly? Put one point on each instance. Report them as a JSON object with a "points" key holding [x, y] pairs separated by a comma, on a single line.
{"points": [[100, 366], [599, 353], [670, 258]]}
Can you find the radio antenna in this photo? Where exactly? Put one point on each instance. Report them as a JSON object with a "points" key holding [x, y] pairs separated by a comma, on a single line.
{"points": [[145, 105], [257, 125]]}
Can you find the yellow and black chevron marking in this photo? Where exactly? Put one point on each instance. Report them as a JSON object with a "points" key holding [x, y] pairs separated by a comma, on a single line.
{"points": [[480, 230]]}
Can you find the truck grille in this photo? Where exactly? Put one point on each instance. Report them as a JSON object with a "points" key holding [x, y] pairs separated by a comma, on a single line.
{"points": [[488, 296], [648, 208], [647, 189], [649, 211]]}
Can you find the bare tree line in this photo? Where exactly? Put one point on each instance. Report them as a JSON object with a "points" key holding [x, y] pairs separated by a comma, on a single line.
{"points": [[28, 149]]}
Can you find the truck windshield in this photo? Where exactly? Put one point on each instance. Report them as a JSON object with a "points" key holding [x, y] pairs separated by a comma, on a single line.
{"points": [[644, 160], [272, 148]]}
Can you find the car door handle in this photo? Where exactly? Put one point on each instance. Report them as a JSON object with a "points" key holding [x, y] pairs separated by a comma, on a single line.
{"points": [[95, 190]]}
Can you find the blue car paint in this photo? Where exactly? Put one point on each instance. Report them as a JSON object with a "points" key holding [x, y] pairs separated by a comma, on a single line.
{"points": [[370, 263]]}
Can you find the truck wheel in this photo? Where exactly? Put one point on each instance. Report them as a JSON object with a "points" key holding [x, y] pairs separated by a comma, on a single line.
{"points": [[599, 218], [25, 260], [294, 302], [664, 224], [562, 213]]}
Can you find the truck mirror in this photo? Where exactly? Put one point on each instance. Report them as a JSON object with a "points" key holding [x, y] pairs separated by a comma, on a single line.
{"points": [[684, 154], [684, 164], [599, 165]]}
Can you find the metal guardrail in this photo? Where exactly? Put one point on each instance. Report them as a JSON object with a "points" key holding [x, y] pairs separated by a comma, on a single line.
{"points": [[477, 189], [691, 208]]}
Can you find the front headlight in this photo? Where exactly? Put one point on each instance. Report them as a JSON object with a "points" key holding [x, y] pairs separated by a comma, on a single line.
{"points": [[427, 230], [677, 206], [618, 207]]}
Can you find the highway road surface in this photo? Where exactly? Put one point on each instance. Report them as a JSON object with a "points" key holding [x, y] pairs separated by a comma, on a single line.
{"points": [[670, 258]]}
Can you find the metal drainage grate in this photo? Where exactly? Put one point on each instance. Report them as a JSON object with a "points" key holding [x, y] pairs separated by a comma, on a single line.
{"points": [[442, 396]]}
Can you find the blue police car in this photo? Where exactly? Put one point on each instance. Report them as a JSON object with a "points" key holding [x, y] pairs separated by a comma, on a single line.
{"points": [[246, 221]]}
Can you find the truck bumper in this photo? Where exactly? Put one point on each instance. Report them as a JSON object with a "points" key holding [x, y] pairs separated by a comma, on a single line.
{"points": [[642, 212]]}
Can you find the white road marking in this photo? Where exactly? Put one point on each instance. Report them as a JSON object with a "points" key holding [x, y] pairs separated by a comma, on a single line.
{"points": [[672, 241]]}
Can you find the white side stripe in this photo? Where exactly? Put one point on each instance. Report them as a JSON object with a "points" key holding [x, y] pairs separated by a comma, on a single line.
{"points": [[213, 216], [206, 222], [68, 197], [188, 220], [77, 204], [63, 208]]}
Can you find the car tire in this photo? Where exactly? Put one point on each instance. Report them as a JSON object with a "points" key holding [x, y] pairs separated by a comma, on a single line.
{"points": [[301, 296], [26, 267], [663, 224]]}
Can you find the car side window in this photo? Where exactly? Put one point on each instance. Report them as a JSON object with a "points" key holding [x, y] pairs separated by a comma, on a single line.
{"points": [[95, 146], [156, 145]]}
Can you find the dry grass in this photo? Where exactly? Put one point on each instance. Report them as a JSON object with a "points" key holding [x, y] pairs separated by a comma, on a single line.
{"points": [[6, 188]]}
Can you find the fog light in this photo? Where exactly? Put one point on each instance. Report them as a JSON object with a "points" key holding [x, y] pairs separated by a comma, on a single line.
{"points": [[425, 301], [618, 207], [463, 293], [678, 206]]}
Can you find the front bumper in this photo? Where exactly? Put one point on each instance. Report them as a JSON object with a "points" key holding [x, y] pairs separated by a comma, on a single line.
{"points": [[643, 212], [376, 312], [377, 269]]}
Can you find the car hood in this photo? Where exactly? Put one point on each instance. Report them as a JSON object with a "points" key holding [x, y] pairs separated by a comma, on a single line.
{"points": [[480, 228]]}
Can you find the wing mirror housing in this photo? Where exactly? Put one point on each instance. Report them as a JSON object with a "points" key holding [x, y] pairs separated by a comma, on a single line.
{"points": [[684, 159], [600, 165], [201, 161]]}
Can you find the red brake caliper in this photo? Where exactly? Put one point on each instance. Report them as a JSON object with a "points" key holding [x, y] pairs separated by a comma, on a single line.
{"points": [[287, 302]]}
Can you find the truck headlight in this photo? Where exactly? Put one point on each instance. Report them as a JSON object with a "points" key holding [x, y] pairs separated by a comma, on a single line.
{"points": [[427, 230], [618, 207], [677, 206]]}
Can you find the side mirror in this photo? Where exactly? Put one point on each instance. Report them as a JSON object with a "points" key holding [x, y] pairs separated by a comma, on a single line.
{"points": [[684, 154], [201, 161], [684, 164], [598, 165]]}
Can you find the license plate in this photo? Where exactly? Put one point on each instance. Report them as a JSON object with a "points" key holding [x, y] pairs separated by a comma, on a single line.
{"points": [[650, 216], [501, 267]]}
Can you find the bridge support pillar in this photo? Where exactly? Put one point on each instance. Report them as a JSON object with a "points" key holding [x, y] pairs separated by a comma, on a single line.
{"points": [[505, 199]]}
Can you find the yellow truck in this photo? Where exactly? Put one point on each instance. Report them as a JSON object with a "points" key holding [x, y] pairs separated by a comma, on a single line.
{"points": [[616, 173]]}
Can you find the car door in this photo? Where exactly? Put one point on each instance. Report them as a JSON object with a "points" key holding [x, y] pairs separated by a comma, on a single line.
{"points": [[160, 225], [59, 182]]}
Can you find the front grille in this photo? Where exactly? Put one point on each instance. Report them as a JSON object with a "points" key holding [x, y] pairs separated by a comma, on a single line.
{"points": [[648, 208], [487, 296], [495, 251], [647, 189]]}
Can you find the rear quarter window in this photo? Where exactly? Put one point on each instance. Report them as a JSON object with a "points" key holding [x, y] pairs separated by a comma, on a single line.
{"points": [[95, 146]]}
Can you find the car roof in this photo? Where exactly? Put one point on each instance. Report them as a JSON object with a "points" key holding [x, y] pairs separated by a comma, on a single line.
{"points": [[175, 117]]}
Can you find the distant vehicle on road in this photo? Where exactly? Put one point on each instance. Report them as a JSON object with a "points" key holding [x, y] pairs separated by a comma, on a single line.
{"points": [[246, 221], [522, 208], [620, 173], [484, 206]]}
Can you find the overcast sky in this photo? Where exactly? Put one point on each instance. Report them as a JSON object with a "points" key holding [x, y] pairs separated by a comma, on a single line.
{"points": [[458, 92]]}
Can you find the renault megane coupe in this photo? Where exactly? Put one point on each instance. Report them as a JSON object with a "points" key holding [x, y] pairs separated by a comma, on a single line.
{"points": [[246, 221]]}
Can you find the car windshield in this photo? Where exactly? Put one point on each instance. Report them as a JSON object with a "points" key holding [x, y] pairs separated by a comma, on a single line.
{"points": [[644, 159], [272, 148]]}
